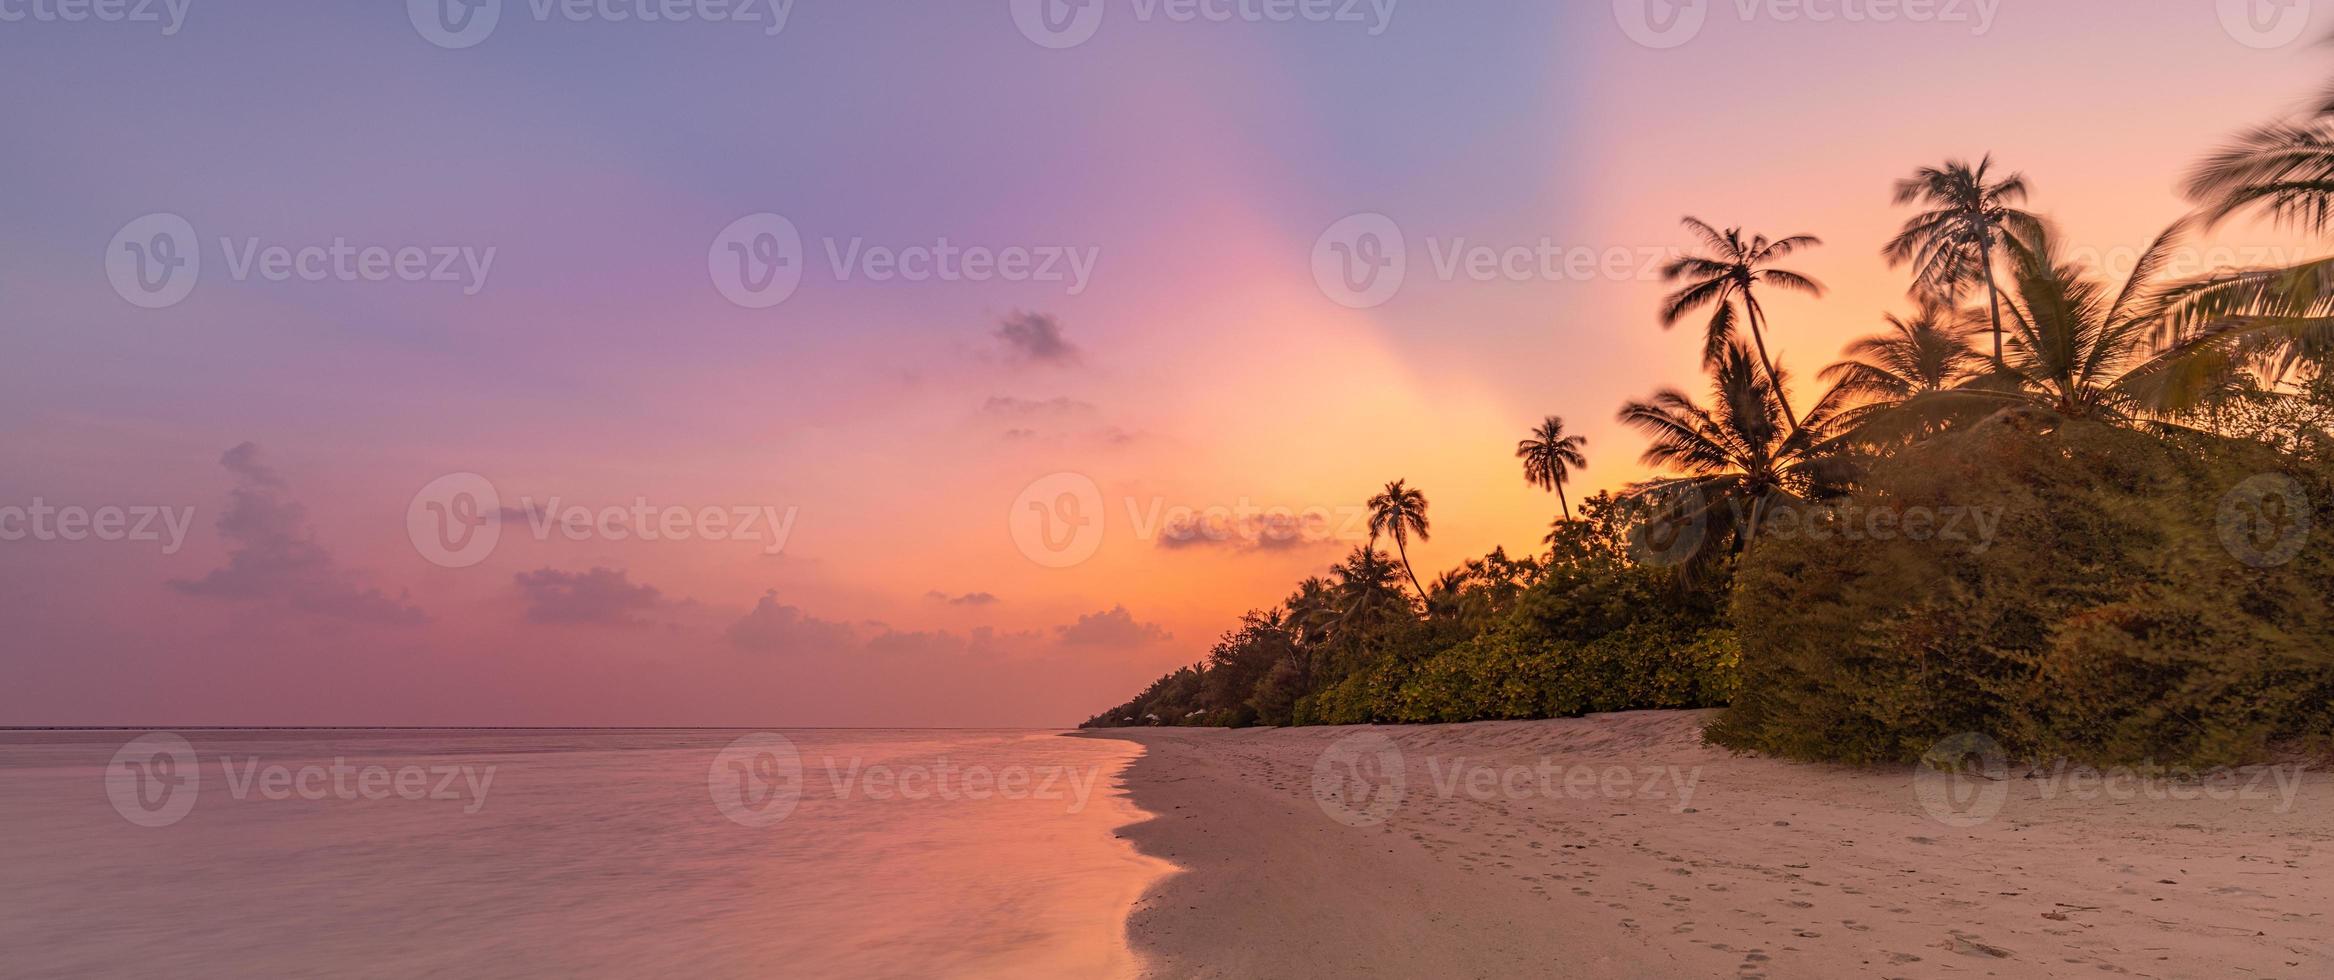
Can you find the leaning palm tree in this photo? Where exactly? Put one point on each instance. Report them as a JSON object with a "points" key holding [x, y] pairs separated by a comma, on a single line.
{"points": [[1929, 352], [1399, 513], [2269, 319], [1952, 243], [1727, 276], [1737, 455], [1549, 458]]}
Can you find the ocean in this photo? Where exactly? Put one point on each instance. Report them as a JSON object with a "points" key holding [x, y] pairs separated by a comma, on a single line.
{"points": [[565, 853]]}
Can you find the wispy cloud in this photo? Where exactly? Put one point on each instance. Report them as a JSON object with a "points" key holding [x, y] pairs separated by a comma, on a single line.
{"points": [[275, 557], [602, 596]]}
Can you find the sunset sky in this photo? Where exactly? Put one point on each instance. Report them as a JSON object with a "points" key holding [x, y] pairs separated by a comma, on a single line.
{"points": [[1200, 363]]}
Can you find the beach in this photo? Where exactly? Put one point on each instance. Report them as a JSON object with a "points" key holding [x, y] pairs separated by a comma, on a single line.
{"points": [[1622, 846]]}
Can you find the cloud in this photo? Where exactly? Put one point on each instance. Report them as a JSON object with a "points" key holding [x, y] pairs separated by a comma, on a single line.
{"points": [[1115, 628], [274, 557], [1278, 530], [774, 627], [1024, 408], [967, 599], [602, 596], [1037, 337], [243, 461]]}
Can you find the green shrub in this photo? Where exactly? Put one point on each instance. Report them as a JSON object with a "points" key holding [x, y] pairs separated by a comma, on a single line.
{"points": [[2103, 619]]}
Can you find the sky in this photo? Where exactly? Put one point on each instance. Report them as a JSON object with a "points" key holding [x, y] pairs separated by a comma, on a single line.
{"points": [[889, 364]]}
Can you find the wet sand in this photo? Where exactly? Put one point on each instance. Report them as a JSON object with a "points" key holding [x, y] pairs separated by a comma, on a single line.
{"points": [[1622, 846]]}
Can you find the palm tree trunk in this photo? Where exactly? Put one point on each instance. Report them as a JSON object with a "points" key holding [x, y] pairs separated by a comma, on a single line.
{"points": [[1399, 546], [1759, 337], [1993, 299], [1560, 499]]}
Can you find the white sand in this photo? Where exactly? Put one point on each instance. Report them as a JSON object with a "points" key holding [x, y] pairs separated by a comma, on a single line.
{"points": [[1768, 868]]}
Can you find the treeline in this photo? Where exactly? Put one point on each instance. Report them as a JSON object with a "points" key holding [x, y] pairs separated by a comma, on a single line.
{"points": [[2071, 514]]}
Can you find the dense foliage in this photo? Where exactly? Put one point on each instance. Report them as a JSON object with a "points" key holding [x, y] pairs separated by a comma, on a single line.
{"points": [[2077, 591], [1583, 628], [2071, 514]]}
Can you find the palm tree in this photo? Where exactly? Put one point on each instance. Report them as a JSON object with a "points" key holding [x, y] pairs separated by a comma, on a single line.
{"points": [[1549, 458], [2083, 351], [1365, 586], [1929, 352], [1737, 453], [1313, 610], [1400, 512], [2272, 319], [1952, 242], [1727, 276]]}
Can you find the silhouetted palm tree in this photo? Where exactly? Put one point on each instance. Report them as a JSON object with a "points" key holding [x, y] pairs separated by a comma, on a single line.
{"points": [[2268, 318], [1366, 588], [2081, 350], [1929, 352], [1399, 513], [1952, 243], [1726, 276], [1736, 454], [1549, 458]]}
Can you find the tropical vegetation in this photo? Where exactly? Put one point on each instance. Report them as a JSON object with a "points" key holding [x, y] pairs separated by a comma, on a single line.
{"points": [[2067, 510]]}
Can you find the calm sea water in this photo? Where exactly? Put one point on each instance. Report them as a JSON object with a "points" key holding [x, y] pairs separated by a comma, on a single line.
{"points": [[564, 854]]}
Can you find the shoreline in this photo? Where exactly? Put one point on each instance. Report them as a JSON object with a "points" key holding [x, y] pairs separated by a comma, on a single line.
{"points": [[1514, 850]]}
